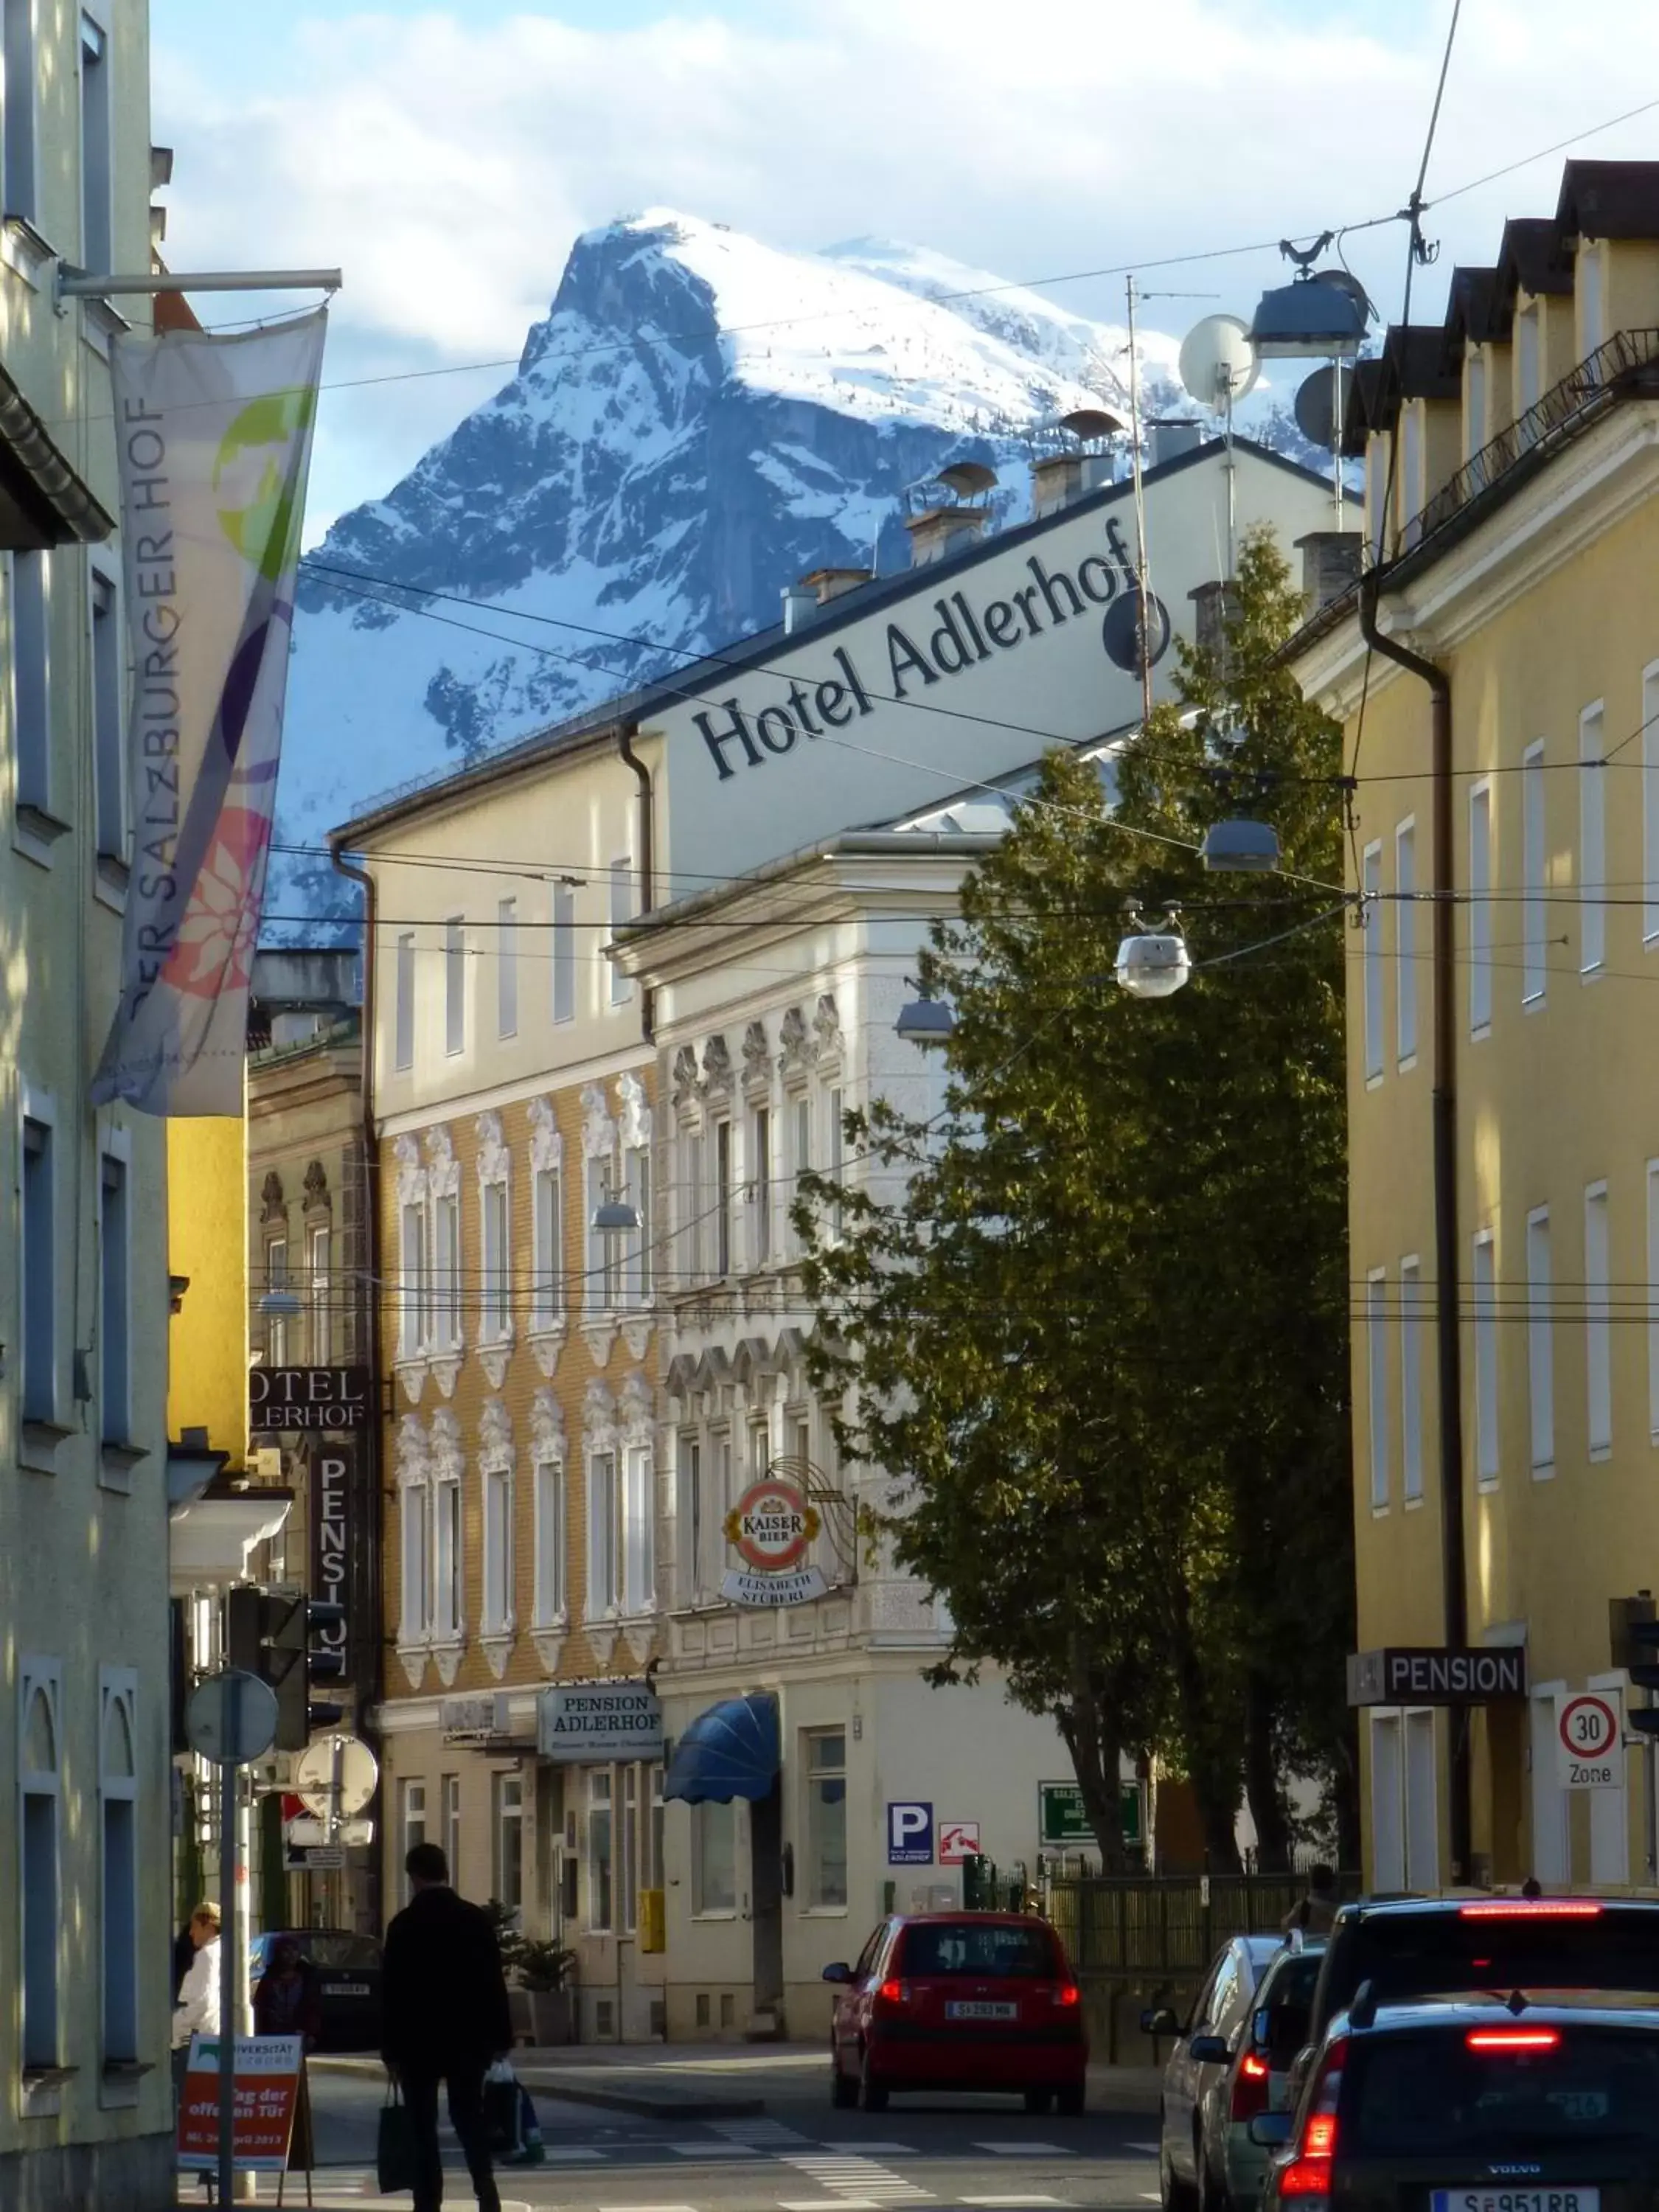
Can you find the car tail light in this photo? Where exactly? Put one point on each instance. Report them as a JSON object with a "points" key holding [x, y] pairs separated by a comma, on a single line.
{"points": [[1251, 2082], [1531, 1908], [1513, 2038], [1309, 2173], [1067, 1993], [893, 1993]]}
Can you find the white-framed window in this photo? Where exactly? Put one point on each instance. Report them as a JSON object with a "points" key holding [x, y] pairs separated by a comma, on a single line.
{"points": [[1652, 1181], [455, 985], [109, 762], [799, 1110], [507, 966], [1598, 1331], [1404, 1815], [1552, 1850], [824, 1766], [1534, 911], [40, 1742], [1540, 1341], [1370, 917], [1481, 909], [97, 147], [17, 110], [722, 1199], [1650, 803], [551, 1597], [1377, 491], [714, 1861], [636, 1245], [449, 1609], [548, 1303], [602, 1285], [402, 1050], [1588, 297], [622, 911], [277, 1286], [1405, 943], [600, 1851], [498, 1618], [449, 1823], [31, 680], [1411, 468], [693, 1225], [447, 1270], [1486, 1360], [1592, 843], [506, 1825], [37, 1260], [1529, 362], [413, 1287], [564, 952], [496, 1307], [638, 1589], [604, 1536], [320, 1253], [415, 1561], [1376, 1383], [411, 1825], [118, 1796], [115, 1292], [1411, 1379], [760, 1186], [693, 1513], [655, 1871], [627, 1868], [1475, 402], [836, 1157]]}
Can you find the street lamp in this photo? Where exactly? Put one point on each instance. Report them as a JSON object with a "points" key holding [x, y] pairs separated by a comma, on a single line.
{"points": [[1241, 847], [1153, 963], [280, 1305], [924, 1019], [614, 1216]]}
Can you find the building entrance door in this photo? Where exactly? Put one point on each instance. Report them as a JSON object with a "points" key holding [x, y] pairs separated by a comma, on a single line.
{"points": [[766, 1889]]}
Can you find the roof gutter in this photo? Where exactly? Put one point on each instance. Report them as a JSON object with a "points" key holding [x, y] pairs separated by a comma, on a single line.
{"points": [[1447, 1339]]}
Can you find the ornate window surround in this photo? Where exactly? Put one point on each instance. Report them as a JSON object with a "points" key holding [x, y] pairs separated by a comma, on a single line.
{"points": [[549, 1625], [411, 1463], [447, 1466], [497, 1458], [494, 1171], [546, 1329]]}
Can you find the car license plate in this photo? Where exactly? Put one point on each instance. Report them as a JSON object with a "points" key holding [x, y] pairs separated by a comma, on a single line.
{"points": [[348, 1988], [961, 2010], [1561, 2199]]}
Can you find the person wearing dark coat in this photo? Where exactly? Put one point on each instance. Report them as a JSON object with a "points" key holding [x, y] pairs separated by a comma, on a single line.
{"points": [[445, 2019]]}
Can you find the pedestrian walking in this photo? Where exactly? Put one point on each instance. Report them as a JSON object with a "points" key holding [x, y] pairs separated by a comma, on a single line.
{"points": [[1314, 1914], [447, 2020], [197, 2012]]}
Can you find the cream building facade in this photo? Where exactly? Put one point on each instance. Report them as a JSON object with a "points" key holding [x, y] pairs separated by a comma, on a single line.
{"points": [[85, 2098], [1518, 529]]}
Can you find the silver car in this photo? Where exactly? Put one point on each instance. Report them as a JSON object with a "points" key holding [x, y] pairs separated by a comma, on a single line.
{"points": [[1195, 2078], [1259, 2079]]}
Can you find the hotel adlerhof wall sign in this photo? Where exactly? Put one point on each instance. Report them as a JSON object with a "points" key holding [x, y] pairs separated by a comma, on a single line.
{"points": [[771, 1528]]}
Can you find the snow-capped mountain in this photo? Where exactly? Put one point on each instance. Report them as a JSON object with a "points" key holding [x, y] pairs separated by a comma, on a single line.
{"points": [[700, 420]]}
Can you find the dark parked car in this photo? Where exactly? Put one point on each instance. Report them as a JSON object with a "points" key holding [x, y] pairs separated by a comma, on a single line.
{"points": [[959, 2001], [1474, 2106], [347, 1971]]}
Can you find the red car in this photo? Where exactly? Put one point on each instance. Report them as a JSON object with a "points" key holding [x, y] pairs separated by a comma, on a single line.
{"points": [[959, 2001]]}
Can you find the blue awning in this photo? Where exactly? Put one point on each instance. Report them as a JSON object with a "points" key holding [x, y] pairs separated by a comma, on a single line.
{"points": [[730, 1751]]}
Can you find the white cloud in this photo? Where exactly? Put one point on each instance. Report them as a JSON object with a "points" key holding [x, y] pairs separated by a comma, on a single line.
{"points": [[447, 166]]}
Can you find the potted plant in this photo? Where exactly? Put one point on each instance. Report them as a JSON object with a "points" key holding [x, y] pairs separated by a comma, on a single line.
{"points": [[544, 1971]]}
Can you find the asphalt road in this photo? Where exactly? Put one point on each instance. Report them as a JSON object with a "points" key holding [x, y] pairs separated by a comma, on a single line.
{"points": [[981, 2153]]}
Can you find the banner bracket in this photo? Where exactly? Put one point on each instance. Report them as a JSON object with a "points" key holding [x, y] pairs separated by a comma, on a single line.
{"points": [[73, 283]]}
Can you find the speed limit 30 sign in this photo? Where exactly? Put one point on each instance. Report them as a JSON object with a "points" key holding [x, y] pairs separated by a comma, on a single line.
{"points": [[1589, 1730]]}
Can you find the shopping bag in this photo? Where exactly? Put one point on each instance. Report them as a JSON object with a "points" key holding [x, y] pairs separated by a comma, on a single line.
{"points": [[530, 2151], [394, 2152], [500, 2105]]}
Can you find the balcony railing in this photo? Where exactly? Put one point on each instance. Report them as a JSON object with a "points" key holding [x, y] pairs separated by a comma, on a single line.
{"points": [[1563, 413]]}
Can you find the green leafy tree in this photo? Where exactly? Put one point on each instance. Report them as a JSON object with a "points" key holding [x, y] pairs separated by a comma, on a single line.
{"points": [[1092, 1322]]}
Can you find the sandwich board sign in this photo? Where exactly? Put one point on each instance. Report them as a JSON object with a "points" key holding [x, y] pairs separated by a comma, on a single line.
{"points": [[269, 2072]]}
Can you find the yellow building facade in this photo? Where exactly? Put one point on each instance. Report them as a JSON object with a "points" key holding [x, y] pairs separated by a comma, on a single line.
{"points": [[1513, 504]]}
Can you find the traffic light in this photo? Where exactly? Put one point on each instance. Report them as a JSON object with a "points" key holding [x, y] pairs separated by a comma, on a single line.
{"points": [[268, 1633], [1644, 1635]]}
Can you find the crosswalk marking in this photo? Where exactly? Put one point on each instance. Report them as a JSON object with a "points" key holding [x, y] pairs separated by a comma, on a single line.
{"points": [[1011, 2201], [858, 2178], [828, 2204], [712, 2150], [1025, 2149]]}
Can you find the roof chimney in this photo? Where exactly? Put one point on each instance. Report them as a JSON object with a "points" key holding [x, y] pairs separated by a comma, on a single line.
{"points": [[1170, 441], [1062, 471], [947, 511], [1213, 604], [1330, 564], [800, 605], [827, 584]]}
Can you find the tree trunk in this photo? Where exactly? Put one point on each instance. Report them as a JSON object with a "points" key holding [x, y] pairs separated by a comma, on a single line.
{"points": [[1211, 1740], [1086, 1723], [1262, 1793]]}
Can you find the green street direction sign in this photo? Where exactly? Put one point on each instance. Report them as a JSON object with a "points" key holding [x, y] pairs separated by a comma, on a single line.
{"points": [[1061, 1819]]}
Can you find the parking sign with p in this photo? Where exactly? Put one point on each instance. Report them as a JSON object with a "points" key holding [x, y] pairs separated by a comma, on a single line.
{"points": [[909, 1834]]}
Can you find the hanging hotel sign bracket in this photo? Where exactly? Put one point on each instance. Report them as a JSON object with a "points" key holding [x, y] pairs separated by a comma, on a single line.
{"points": [[73, 283]]}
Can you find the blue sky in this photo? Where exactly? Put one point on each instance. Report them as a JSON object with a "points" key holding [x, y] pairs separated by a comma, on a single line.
{"points": [[446, 155]]}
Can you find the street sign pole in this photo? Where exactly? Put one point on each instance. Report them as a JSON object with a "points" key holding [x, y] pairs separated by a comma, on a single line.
{"points": [[228, 2022]]}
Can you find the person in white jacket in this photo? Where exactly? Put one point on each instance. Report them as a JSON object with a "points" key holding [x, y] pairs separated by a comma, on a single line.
{"points": [[197, 2012]]}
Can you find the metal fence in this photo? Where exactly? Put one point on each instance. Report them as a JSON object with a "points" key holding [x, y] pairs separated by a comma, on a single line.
{"points": [[1146, 1929]]}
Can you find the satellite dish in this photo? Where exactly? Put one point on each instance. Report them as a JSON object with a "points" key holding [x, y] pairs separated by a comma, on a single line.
{"points": [[1087, 422], [968, 478], [1217, 364], [1315, 402]]}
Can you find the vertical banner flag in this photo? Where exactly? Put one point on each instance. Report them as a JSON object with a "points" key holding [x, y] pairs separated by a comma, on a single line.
{"points": [[213, 438]]}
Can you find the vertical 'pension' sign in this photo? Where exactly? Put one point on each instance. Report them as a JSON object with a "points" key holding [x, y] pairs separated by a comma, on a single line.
{"points": [[213, 443]]}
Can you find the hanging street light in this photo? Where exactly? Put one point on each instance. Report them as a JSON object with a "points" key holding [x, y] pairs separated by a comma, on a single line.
{"points": [[1241, 848], [280, 1305], [924, 1019], [1153, 963], [614, 1216]]}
